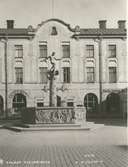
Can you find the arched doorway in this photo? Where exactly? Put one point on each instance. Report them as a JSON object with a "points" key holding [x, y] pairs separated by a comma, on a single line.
{"points": [[19, 102], [91, 103], [1, 105], [113, 103]]}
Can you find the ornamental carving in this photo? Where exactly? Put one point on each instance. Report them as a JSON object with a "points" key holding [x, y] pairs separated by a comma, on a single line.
{"points": [[55, 115]]}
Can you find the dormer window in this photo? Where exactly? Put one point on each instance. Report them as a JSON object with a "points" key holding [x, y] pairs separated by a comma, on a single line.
{"points": [[54, 31]]}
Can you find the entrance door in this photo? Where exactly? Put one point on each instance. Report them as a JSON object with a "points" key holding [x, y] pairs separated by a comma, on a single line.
{"points": [[19, 102], [1, 105]]}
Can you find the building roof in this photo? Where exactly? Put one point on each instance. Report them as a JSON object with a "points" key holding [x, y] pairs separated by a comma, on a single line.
{"points": [[97, 31], [14, 31], [86, 32]]}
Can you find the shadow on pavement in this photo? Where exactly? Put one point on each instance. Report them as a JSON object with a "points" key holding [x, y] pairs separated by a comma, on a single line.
{"points": [[109, 122]]}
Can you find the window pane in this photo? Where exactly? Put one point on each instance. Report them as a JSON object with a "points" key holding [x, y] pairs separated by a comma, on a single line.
{"points": [[90, 74], [70, 104], [43, 74], [112, 74], [43, 51], [40, 104], [19, 51], [66, 51], [66, 74], [19, 75], [90, 50], [91, 102], [112, 50]]}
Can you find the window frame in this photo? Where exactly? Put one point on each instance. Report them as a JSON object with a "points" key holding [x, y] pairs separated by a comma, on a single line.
{"points": [[40, 104], [113, 75], [43, 50], [91, 102], [90, 52], [45, 73], [19, 75], [111, 51], [18, 51], [70, 104], [90, 74], [66, 50], [66, 75]]}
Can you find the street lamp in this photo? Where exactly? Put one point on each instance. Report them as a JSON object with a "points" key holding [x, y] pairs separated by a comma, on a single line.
{"points": [[5, 41]]}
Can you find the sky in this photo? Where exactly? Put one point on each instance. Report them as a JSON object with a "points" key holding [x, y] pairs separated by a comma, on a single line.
{"points": [[85, 13]]}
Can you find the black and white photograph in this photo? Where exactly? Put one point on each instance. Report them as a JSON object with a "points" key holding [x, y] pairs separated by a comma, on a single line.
{"points": [[63, 83]]}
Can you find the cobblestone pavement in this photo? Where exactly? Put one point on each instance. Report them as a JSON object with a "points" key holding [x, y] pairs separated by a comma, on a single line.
{"points": [[102, 147]]}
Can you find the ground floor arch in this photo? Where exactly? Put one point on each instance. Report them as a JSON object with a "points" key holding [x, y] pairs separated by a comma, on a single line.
{"points": [[113, 103], [1, 105], [91, 102], [19, 101]]}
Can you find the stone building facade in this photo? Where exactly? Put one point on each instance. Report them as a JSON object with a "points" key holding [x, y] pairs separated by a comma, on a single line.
{"points": [[83, 77]]}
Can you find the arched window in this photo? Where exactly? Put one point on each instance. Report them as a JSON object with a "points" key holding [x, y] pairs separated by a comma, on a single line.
{"points": [[19, 101], [91, 102], [113, 103]]}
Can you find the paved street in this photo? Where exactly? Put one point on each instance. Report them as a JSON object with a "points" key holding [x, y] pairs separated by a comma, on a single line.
{"points": [[101, 147]]}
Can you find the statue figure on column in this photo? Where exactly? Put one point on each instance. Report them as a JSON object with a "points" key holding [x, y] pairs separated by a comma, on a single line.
{"points": [[51, 76]]}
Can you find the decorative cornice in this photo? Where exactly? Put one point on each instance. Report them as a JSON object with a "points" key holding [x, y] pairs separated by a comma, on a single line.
{"points": [[56, 20]]}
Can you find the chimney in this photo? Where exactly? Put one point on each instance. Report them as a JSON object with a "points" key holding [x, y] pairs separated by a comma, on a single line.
{"points": [[10, 24], [121, 24], [102, 24]]}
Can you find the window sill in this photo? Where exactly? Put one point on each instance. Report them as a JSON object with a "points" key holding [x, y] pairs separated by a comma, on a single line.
{"points": [[18, 57], [66, 57], [43, 83], [43, 57], [112, 57], [90, 57], [66, 82], [112, 82], [90, 82]]}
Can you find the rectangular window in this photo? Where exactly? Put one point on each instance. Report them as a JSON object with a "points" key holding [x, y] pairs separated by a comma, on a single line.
{"points": [[43, 74], [40, 104], [90, 74], [19, 51], [19, 75], [112, 50], [43, 50], [66, 50], [90, 50], [70, 104], [66, 74], [112, 74]]}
